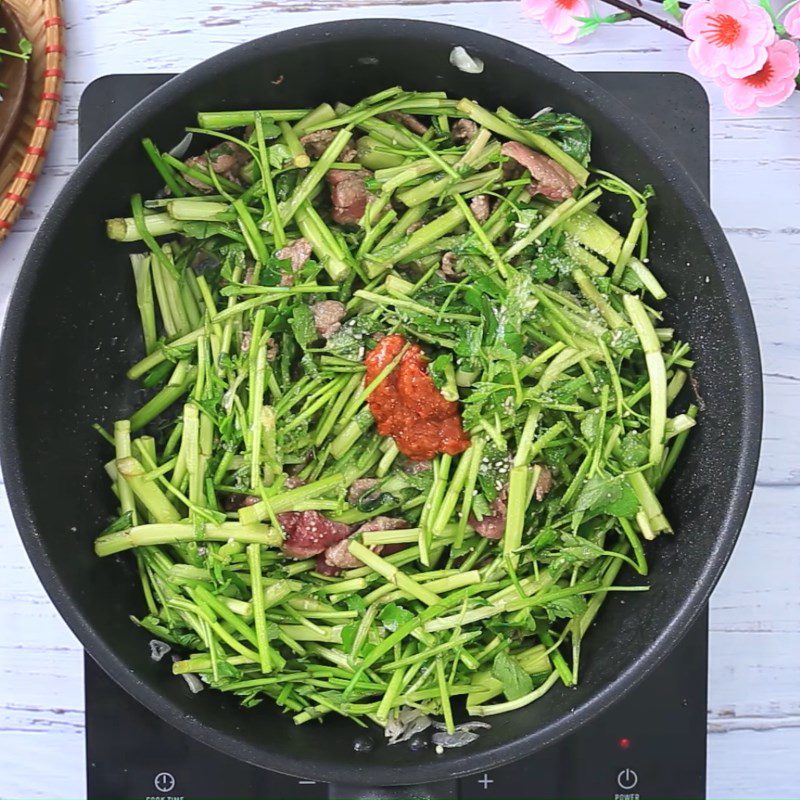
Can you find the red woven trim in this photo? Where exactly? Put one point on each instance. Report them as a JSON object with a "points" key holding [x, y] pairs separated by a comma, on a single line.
{"points": [[54, 73], [55, 48], [35, 151], [14, 198], [45, 123], [54, 21], [54, 96], [25, 176], [5, 224]]}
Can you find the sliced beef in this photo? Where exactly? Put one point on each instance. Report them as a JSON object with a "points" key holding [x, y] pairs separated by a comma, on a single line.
{"points": [[359, 488], [447, 266], [544, 484], [383, 524], [244, 345], [480, 207], [494, 523], [550, 179], [308, 533], [201, 163], [462, 130], [407, 121], [233, 502], [203, 262], [298, 252], [511, 170], [328, 316], [339, 555], [349, 194], [227, 158], [316, 143], [271, 345], [323, 567], [416, 467]]}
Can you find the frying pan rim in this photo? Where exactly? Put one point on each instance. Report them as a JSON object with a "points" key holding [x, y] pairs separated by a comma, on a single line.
{"points": [[454, 763]]}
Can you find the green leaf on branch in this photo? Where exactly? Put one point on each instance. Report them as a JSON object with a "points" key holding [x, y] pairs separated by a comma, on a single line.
{"points": [[592, 23], [672, 8]]}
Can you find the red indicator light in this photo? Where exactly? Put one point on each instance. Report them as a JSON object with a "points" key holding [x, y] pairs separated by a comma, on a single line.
{"points": [[624, 743]]}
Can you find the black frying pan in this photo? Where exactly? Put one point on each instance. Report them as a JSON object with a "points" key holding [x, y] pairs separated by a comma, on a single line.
{"points": [[72, 329]]}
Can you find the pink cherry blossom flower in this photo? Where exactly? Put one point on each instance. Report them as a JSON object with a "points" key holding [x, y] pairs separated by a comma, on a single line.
{"points": [[558, 16], [771, 85], [730, 36], [792, 22]]}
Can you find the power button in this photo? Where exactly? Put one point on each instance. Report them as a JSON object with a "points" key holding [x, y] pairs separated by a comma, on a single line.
{"points": [[627, 779]]}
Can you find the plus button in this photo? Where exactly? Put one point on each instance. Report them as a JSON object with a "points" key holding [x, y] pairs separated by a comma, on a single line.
{"points": [[485, 781]]}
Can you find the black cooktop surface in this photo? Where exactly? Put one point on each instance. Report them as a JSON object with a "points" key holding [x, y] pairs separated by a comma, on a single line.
{"points": [[651, 744]]}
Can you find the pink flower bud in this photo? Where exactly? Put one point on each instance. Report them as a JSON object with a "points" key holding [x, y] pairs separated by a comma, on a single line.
{"points": [[558, 16]]}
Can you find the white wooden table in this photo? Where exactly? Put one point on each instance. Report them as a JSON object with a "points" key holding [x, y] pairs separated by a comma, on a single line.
{"points": [[754, 697]]}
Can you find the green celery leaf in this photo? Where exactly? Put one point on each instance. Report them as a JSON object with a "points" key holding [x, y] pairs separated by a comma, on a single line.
{"points": [[356, 603], [566, 607], [577, 550], [571, 132], [613, 496], [493, 469], [393, 616], [633, 449], [349, 636], [278, 155], [303, 327], [480, 506], [552, 261], [353, 338], [437, 368], [516, 682], [621, 339], [590, 424]]}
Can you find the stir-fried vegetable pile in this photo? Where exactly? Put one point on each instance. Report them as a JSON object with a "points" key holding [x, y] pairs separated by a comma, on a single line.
{"points": [[286, 548]]}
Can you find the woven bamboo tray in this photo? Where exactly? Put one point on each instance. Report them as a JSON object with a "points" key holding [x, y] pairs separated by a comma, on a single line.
{"points": [[24, 156]]}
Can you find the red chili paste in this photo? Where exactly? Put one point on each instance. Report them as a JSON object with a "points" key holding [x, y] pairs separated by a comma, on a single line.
{"points": [[407, 405]]}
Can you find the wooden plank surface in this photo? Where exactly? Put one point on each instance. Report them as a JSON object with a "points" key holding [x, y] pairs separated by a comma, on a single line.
{"points": [[754, 692]]}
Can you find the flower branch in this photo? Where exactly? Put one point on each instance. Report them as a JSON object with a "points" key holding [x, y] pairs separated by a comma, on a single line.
{"points": [[745, 46], [640, 13]]}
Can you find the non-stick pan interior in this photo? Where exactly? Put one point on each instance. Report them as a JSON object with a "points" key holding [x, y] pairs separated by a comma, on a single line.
{"points": [[73, 329]]}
